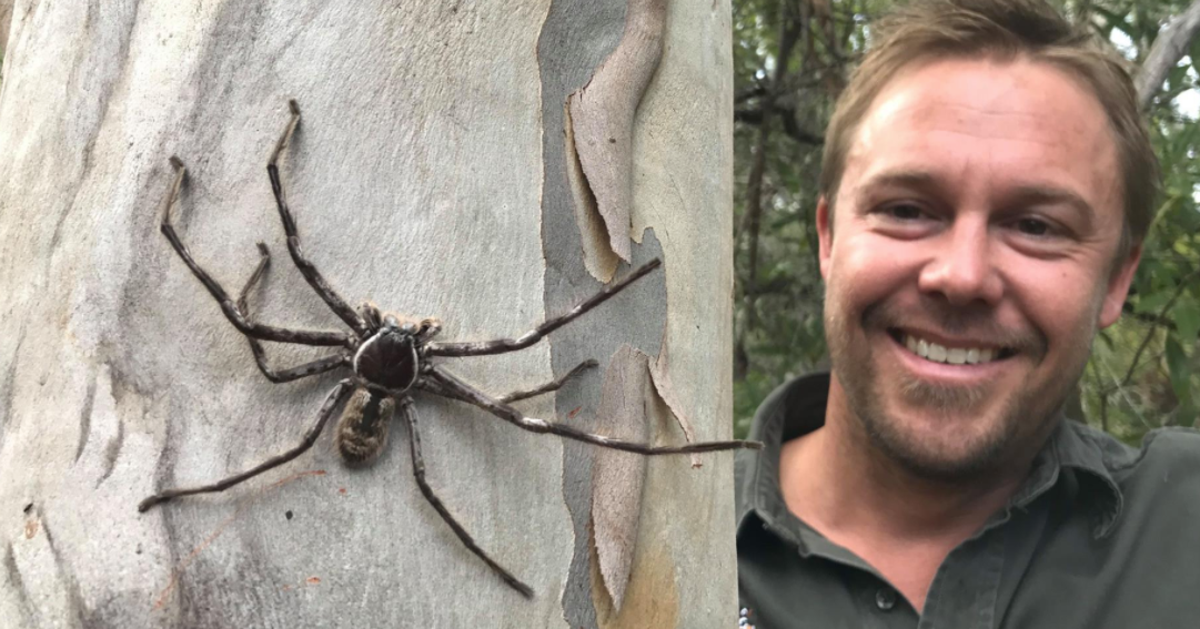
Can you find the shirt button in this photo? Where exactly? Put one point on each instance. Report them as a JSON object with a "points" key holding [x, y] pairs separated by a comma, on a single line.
{"points": [[885, 599]]}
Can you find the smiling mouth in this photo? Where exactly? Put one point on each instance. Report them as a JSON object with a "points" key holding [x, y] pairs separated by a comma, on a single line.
{"points": [[937, 353]]}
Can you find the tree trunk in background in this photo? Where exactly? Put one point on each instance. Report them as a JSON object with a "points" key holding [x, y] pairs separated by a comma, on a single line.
{"points": [[428, 174]]}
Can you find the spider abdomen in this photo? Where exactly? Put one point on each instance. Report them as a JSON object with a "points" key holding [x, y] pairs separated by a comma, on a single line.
{"points": [[363, 428]]}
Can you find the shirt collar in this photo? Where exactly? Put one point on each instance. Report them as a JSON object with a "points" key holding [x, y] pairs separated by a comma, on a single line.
{"points": [[1092, 457], [798, 407]]}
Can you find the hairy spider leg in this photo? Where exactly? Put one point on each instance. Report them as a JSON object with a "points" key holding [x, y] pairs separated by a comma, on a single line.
{"points": [[500, 346], [418, 462], [429, 385], [277, 376], [334, 400], [307, 268], [553, 385], [460, 390], [232, 312]]}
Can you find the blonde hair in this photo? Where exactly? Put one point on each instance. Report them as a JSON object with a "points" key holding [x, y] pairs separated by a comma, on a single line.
{"points": [[925, 30]]}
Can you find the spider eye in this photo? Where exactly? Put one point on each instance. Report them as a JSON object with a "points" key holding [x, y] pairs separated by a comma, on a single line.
{"points": [[390, 322]]}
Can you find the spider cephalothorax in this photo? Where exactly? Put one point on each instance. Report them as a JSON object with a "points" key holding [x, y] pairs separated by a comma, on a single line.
{"points": [[387, 363], [389, 357]]}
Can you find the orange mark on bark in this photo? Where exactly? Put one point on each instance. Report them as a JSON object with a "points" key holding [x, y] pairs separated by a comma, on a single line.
{"points": [[651, 598], [574, 412], [31, 529], [175, 574], [309, 581], [341, 490]]}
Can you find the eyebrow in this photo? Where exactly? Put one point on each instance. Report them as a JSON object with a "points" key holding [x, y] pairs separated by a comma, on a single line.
{"points": [[1017, 196]]}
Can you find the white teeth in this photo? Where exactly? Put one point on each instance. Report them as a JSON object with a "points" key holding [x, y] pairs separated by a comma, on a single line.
{"points": [[954, 356]]}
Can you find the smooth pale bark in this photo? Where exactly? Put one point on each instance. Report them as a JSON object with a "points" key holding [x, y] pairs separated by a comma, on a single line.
{"points": [[427, 175]]}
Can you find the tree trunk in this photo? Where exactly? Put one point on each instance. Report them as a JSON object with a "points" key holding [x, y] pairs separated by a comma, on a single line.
{"points": [[429, 175]]}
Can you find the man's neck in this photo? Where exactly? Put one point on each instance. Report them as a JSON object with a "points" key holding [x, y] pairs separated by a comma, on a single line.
{"points": [[903, 525]]}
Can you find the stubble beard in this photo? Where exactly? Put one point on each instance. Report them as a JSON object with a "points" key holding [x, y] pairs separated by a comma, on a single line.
{"points": [[963, 455]]}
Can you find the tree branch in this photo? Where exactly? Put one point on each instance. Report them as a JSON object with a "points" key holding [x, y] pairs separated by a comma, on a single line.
{"points": [[1162, 315], [1170, 46], [788, 116]]}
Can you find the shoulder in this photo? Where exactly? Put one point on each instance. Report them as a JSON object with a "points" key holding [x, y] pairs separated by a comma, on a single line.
{"points": [[1163, 476], [1170, 450], [1164, 448], [1150, 491]]}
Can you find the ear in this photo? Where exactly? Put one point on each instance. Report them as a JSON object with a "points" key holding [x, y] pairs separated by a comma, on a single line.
{"points": [[1118, 287], [824, 235]]}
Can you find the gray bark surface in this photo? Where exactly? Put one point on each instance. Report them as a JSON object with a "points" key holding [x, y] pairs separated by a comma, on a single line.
{"points": [[427, 175]]}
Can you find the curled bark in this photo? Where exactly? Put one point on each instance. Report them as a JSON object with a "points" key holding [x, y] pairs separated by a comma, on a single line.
{"points": [[601, 118]]}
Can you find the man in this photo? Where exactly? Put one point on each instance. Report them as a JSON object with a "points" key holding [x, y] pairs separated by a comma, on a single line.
{"points": [[987, 184]]}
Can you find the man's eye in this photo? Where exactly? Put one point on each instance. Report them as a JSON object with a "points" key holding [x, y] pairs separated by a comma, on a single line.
{"points": [[1033, 227], [904, 211]]}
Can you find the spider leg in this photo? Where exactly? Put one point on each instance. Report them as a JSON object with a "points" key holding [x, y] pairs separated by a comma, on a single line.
{"points": [[418, 462], [307, 268], [277, 376], [549, 386], [500, 346], [460, 390], [431, 386], [232, 312], [335, 399]]}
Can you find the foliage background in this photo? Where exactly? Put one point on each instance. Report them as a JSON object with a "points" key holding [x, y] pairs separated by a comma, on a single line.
{"points": [[791, 60]]}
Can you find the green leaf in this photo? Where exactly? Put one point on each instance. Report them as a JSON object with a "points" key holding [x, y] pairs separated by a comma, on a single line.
{"points": [[1185, 415], [1186, 313], [1153, 302], [1180, 371]]}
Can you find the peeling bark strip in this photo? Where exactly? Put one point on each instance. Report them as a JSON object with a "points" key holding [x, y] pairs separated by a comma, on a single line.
{"points": [[666, 392], [633, 383], [600, 123], [618, 477], [598, 255]]}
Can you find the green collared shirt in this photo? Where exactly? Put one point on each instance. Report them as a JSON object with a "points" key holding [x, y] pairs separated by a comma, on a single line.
{"points": [[1099, 536]]}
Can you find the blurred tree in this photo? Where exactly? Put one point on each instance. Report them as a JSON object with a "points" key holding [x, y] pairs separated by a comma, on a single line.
{"points": [[791, 60]]}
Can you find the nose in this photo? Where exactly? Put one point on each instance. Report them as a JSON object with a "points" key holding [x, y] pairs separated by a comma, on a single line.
{"points": [[961, 268]]}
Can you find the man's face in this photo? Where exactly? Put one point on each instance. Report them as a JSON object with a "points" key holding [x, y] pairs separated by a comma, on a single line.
{"points": [[976, 222]]}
